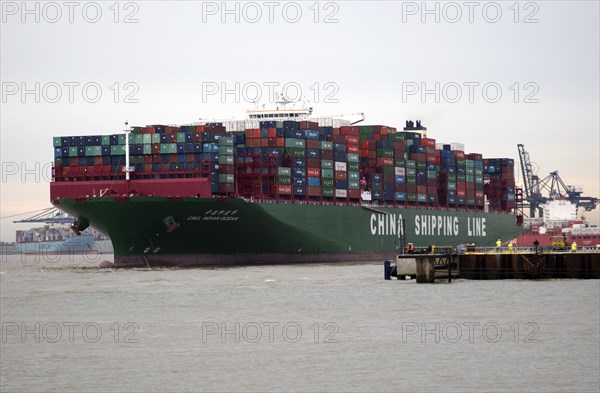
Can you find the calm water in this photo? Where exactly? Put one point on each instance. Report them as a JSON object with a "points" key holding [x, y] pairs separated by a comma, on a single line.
{"points": [[67, 326]]}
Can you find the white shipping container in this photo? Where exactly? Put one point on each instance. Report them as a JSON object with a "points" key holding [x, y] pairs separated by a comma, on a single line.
{"points": [[251, 124], [399, 171], [341, 166], [457, 146], [341, 193]]}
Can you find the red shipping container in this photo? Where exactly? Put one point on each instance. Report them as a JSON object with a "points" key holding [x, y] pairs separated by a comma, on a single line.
{"points": [[225, 188], [255, 133], [313, 163], [353, 194], [431, 158], [400, 187], [327, 154], [314, 191], [352, 148], [341, 175], [313, 144], [313, 172], [248, 133], [364, 144], [284, 189], [272, 132], [461, 193], [348, 130], [279, 142], [428, 142], [385, 161], [389, 179], [459, 154]]}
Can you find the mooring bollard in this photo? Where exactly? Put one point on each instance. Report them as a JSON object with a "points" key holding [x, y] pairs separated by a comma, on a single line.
{"points": [[386, 270]]}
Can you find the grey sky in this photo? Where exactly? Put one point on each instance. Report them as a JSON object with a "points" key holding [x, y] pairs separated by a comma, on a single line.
{"points": [[373, 50]]}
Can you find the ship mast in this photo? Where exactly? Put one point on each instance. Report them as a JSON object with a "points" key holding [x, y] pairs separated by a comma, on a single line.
{"points": [[127, 168]]}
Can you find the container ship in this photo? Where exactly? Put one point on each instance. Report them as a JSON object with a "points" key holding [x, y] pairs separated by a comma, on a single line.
{"points": [[279, 187], [59, 240]]}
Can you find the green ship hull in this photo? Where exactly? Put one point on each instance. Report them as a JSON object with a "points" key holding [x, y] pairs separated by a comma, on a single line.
{"points": [[189, 231]]}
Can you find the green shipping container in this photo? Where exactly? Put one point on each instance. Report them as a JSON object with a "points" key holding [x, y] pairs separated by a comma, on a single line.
{"points": [[326, 173], [421, 165], [327, 192], [411, 180], [396, 137], [89, 151], [451, 177], [326, 145], [295, 152], [226, 141], [411, 172], [479, 179], [146, 139], [226, 178], [295, 143], [461, 178], [117, 150], [225, 160], [122, 139], [470, 178], [327, 183], [388, 170], [147, 148], [353, 184], [180, 137], [411, 197], [155, 138], [327, 164], [172, 148], [225, 150], [283, 171], [284, 180], [72, 151], [470, 201], [105, 140], [421, 197], [57, 141], [411, 164], [400, 163], [353, 167], [385, 153], [432, 174], [353, 176], [353, 157], [164, 148]]}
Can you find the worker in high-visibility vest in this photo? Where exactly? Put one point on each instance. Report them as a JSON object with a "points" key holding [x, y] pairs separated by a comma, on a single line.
{"points": [[510, 247], [573, 247], [498, 245]]}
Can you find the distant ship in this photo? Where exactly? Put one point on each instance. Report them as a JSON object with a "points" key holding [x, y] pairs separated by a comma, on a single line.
{"points": [[57, 237], [560, 227]]}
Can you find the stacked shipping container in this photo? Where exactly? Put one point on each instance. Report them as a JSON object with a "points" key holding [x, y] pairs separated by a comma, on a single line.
{"points": [[298, 161]]}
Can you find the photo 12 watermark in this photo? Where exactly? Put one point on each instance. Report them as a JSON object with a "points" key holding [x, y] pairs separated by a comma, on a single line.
{"points": [[469, 332], [470, 92], [269, 332], [70, 92], [470, 11], [69, 332], [270, 11], [69, 12], [269, 92]]}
